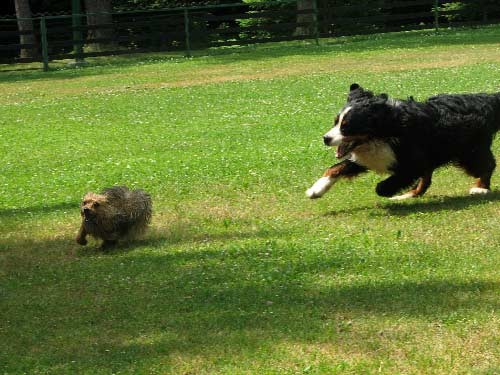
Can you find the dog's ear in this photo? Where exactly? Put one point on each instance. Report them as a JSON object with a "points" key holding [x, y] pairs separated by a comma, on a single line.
{"points": [[355, 86], [358, 93], [383, 115]]}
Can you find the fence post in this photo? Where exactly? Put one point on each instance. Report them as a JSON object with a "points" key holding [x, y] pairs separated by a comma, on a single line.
{"points": [[484, 11], [45, 47], [316, 25], [436, 15], [76, 11], [186, 30]]}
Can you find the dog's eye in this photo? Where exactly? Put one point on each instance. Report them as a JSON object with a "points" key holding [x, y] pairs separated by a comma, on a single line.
{"points": [[95, 204]]}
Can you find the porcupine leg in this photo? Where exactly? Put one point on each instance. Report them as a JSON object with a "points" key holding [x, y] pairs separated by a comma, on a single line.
{"points": [[80, 237], [108, 244]]}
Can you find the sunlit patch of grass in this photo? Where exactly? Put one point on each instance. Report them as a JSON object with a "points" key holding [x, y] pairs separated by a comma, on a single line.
{"points": [[239, 272], [379, 53]]}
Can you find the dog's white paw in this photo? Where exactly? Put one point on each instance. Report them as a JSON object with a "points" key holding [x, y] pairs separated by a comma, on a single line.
{"points": [[402, 196], [320, 187], [478, 190]]}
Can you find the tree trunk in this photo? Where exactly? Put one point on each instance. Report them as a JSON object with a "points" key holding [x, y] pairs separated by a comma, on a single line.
{"points": [[303, 5], [99, 14], [25, 27]]}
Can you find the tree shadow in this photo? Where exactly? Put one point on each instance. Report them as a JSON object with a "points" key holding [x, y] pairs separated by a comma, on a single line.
{"points": [[38, 209], [179, 233], [363, 43], [238, 298], [165, 239]]}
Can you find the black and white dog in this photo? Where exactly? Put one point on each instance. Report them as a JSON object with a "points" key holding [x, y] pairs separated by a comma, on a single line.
{"points": [[408, 140]]}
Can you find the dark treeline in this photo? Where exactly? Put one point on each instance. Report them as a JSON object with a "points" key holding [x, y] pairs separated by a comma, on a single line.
{"points": [[107, 28], [465, 9], [7, 7]]}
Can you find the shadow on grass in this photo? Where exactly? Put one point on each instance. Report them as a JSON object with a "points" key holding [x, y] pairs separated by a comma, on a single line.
{"points": [[156, 239], [35, 210], [114, 312], [417, 205], [456, 203], [349, 44], [365, 43]]}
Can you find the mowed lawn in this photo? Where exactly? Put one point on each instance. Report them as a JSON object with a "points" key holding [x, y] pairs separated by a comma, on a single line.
{"points": [[240, 273]]}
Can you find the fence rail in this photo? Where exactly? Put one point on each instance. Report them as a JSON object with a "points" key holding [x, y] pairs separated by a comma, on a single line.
{"points": [[190, 28]]}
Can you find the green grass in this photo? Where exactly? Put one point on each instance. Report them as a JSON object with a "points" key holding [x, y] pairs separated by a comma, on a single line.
{"points": [[240, 273]]}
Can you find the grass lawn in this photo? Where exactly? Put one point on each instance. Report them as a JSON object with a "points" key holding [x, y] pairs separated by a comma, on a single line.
{"points": [[240, 273]]}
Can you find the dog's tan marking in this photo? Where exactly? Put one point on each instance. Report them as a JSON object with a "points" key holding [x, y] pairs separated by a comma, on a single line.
{"points": [[419, 190]]}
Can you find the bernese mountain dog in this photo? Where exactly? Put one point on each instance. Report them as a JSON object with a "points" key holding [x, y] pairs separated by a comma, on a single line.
{"points": [[408, 140]]}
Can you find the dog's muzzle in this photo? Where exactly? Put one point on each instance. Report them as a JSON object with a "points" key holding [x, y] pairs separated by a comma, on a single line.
{"points": [[334, 137]]}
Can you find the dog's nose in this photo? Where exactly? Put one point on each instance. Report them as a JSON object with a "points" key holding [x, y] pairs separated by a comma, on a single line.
{"points": [[327, 140], [86, 210]]}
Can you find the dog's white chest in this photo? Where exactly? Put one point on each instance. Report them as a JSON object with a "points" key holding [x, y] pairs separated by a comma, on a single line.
{"points": [[375, 155]]}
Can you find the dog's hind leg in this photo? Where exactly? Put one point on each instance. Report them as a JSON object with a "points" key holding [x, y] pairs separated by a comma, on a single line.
{"points": [[344, 169], [481, 167], [423, 184]]}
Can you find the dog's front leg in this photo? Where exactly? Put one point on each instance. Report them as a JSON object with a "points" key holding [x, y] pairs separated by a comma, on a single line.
{"points": [[80, 237], [394, 184], [344, 169]]}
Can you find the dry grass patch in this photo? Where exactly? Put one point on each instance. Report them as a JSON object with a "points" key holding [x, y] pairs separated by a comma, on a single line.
{"points": [[215, 70]]}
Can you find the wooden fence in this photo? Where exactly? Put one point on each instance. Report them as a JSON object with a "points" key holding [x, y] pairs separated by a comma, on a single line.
{"points": [[189, 28]]}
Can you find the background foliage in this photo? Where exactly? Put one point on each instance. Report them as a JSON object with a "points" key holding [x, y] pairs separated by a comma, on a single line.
{"points": [[470, 7]]}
